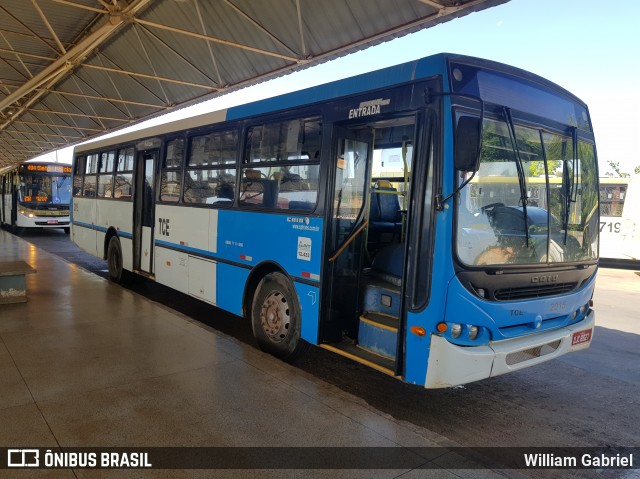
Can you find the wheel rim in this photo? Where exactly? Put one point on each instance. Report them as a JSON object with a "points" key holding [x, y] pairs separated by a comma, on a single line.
{"points": [[274, 316]]}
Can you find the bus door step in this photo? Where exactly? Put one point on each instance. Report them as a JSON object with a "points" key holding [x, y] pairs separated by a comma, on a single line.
{"points": [[378, 334], [381, 297]]}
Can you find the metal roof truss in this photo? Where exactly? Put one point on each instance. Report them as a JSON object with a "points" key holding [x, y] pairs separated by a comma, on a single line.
{"points": [[75, 69]]}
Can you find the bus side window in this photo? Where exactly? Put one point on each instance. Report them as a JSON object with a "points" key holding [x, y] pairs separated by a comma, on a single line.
{"points": [[78, 176], [171, 177], [123, 180], [90, 180], [281, 165], [105, 178], [211, 169]]}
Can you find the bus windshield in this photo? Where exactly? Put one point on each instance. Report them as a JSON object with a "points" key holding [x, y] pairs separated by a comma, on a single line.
{"points": [[44, 188], [526, 204]]}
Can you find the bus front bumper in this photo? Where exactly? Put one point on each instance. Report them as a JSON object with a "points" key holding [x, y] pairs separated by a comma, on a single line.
{"points": [[48, 221], [452, 365]]}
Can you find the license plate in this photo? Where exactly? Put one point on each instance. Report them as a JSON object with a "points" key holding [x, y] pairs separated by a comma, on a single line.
{"points": [[580, 337], [52, 222]]}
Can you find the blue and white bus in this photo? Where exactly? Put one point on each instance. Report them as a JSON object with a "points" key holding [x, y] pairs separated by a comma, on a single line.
{"points": [[35, 195], [359, 216]]}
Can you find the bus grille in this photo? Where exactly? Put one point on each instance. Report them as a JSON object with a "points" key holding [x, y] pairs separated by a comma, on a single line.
{"points": [[534, 291], [532, 353]]}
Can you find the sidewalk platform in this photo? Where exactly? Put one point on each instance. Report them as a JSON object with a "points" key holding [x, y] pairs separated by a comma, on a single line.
{"points": [[87, 363]]}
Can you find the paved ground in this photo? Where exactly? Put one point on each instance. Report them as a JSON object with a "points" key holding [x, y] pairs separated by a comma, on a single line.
{"points": [[85, 362], [591, 398]]}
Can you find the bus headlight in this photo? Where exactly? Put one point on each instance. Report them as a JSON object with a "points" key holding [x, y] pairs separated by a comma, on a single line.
{"points": [[456, 330], [473, 332]]}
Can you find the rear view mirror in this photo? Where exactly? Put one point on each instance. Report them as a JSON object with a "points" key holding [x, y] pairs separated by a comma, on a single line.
{"points": [[467, 145]]}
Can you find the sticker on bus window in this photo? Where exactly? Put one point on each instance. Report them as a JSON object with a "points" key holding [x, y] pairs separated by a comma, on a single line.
{"points": [[304, 248]]}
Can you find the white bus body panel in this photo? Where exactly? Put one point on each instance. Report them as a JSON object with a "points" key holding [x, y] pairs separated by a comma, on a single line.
{"points": [[172, 269], [631, 221], [202, 279], [194, 230], [613, 196], [119, 216], [83, 232], [127, 253], [611, 239], [90, 235], [452, 365], [116, 214]]}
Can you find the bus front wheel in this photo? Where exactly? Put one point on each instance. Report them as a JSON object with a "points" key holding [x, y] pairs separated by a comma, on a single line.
{"points": [[117, 273], [276, 318]]}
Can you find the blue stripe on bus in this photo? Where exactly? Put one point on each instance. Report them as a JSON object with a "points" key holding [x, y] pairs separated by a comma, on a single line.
{"points": [[349, 86], [221, 260], [90, 226], [187, 249], [102, 229]]}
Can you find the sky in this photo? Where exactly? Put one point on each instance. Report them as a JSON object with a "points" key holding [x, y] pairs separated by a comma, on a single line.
{"points": [[589, 47]]}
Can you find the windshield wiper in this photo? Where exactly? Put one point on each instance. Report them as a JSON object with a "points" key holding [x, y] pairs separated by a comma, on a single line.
{"points": [[570, 182], [521, 176]]}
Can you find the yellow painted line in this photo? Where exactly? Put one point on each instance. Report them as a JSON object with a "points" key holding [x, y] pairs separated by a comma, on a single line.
{"points": [[373, 365], [381, 314], [373, 352], [378, 325]]}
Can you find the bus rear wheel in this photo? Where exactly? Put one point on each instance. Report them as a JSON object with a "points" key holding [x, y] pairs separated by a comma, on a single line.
{"points": [[117, 273], [276, 318]]}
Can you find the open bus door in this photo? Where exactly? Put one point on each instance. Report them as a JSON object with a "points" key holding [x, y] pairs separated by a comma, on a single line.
{"points": [[353, 150], [144, 211], [365, 263]]}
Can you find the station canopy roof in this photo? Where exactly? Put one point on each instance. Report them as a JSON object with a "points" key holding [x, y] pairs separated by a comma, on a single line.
{"points": [[75, 69]]}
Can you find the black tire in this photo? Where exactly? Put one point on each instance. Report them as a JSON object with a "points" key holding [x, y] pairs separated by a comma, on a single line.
{"points": [[117, 273], [276, 318], [67, 230]]}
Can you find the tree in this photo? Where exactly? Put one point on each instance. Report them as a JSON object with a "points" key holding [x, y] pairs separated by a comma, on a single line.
{"points": [[616, 169]]}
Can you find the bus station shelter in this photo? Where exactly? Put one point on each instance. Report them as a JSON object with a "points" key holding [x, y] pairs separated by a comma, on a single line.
{"points": [[76, 69], [84, 362]]}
